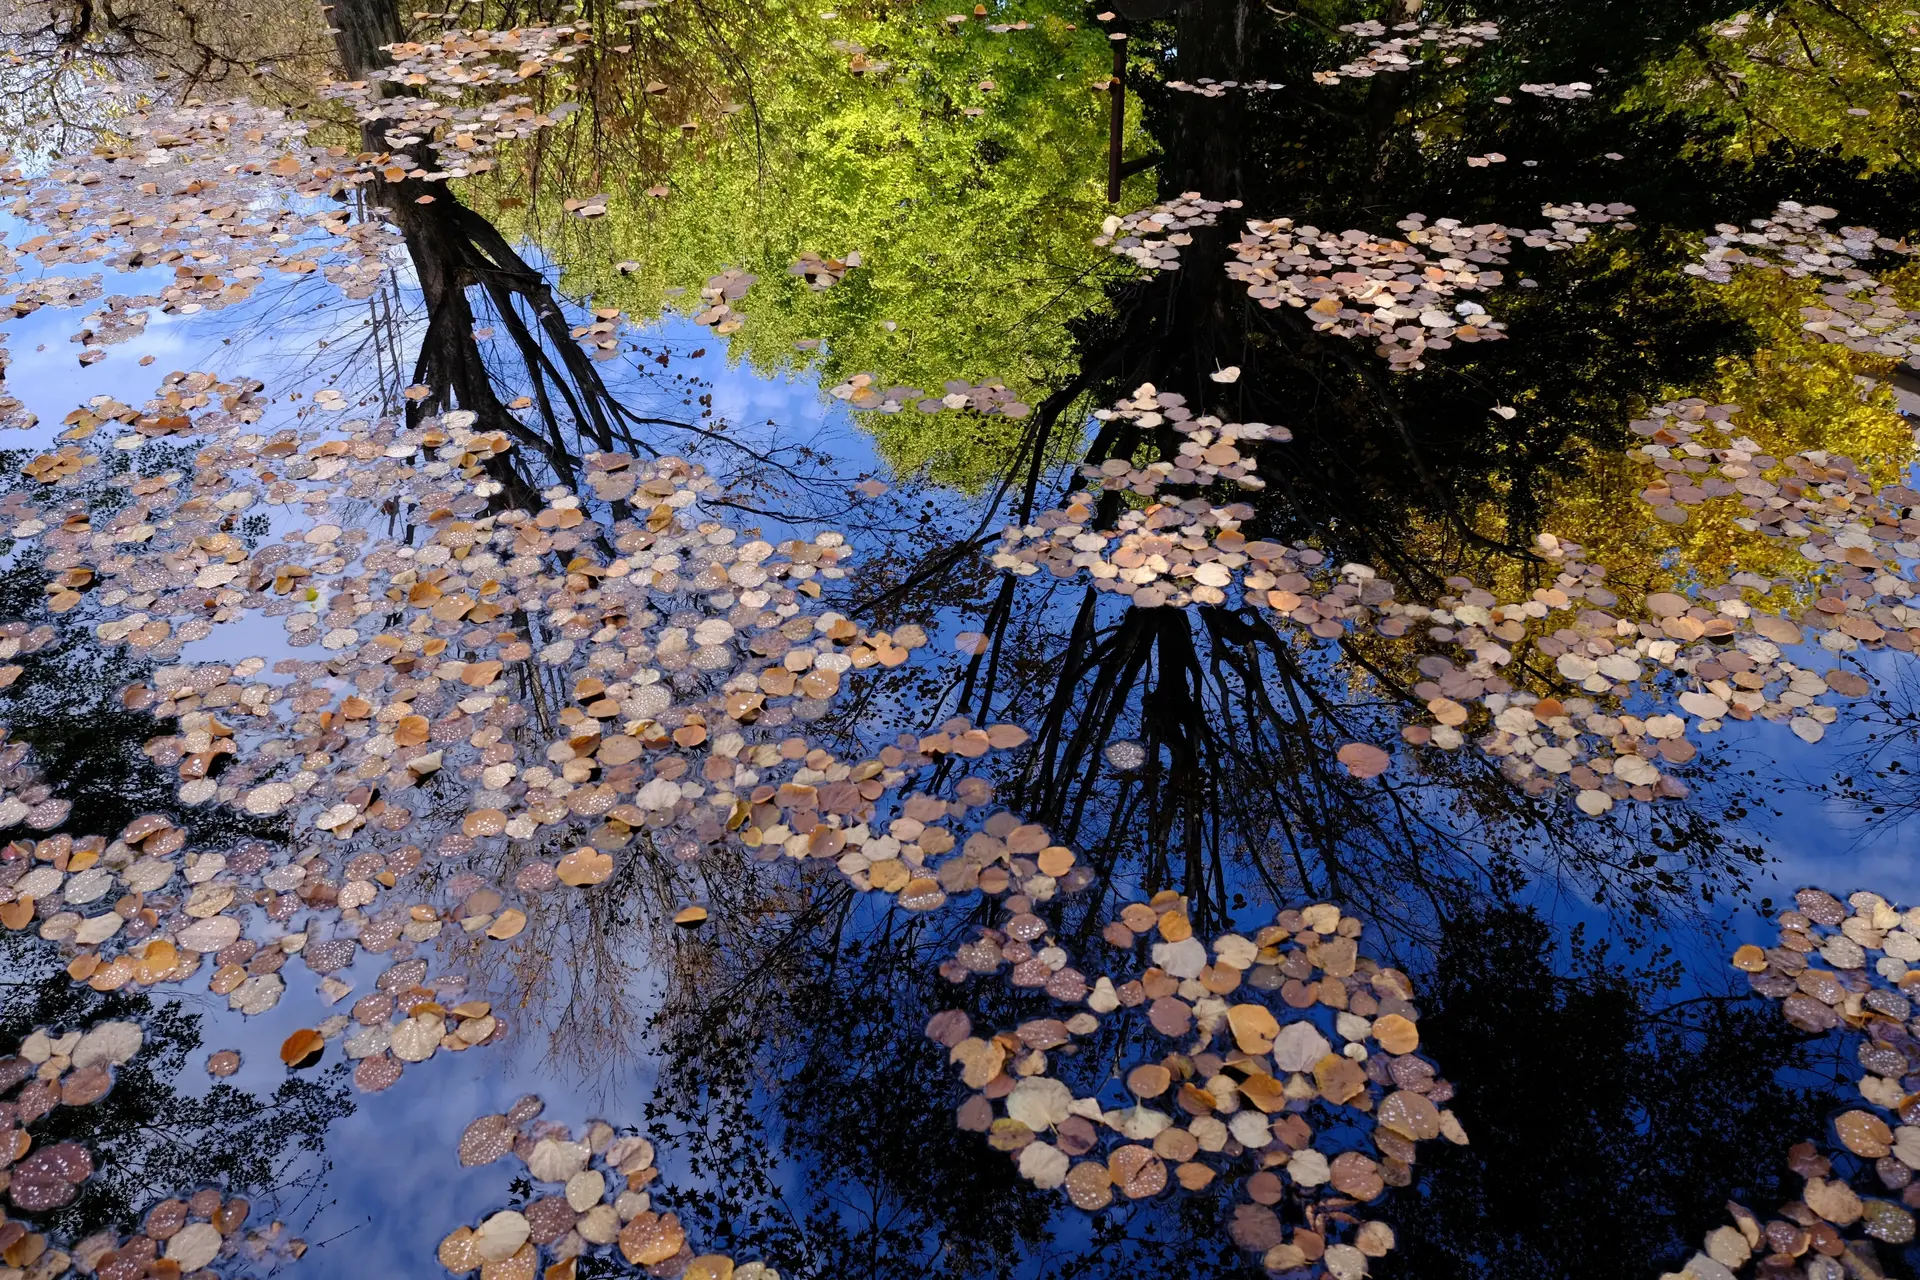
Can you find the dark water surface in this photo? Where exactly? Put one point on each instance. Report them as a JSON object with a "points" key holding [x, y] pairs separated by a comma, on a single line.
{"points": [[720, 639]]}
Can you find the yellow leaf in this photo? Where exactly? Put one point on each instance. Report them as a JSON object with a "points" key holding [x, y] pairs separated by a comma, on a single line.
{"points": [[1254, 1027]]}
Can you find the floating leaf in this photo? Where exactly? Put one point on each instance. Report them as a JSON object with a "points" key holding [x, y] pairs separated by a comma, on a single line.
{"points": [[584, 867], [1254, 1027], [1364, 760], [302, 1048]]}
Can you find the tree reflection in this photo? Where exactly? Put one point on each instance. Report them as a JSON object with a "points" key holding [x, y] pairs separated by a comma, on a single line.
{"points": [[816, 1118], [454, 250], [1608, 1116], [1609, 1112], [1409, 473], [154, 1134], [68, 703], [788, 1027]]}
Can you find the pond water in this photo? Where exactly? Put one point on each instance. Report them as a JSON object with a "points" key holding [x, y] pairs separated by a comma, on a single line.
{"points": [[726, 639]]}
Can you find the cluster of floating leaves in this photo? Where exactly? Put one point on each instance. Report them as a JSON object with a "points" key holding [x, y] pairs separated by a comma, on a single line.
{"points": [[184, 173], [990, 398], [154, 932], [14, 414], [1572, 91], [53, 291], [170, 412], [1208, 87], [1235, 1058], [1152, 238], [223, 194], [679, 710], [400, 1021], [1407, 48], [859, 63], [1840, 965], [1812, 1237], [1867, 535], [54, 1069], [980, 11], [1707, 659], [601, 338], [1871, 948], [1858, 311], [24, 797], [1794, 241], [719, 293], [120, 319], [1712, 657], [596, 1206], [587, 207], [432, 76], [1210, 452], [200, 1235], [181, 1237], [822, 272], [459, 59], [1400, 292], [1166, 553]]}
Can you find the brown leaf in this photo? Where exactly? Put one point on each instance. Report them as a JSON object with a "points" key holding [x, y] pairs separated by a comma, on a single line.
{"points": [[651, 1238], [1864, 1134], [1396, 1034], [1364, 760], [302, 1047], [1339, 1078], [1254, 1027], [584, 867]]}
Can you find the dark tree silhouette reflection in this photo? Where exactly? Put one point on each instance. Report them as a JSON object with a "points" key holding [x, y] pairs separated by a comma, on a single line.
{"points": [[1609, 1114], [1609, 1117], [818, 1121], [1412, 473], [155, 1133]]}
